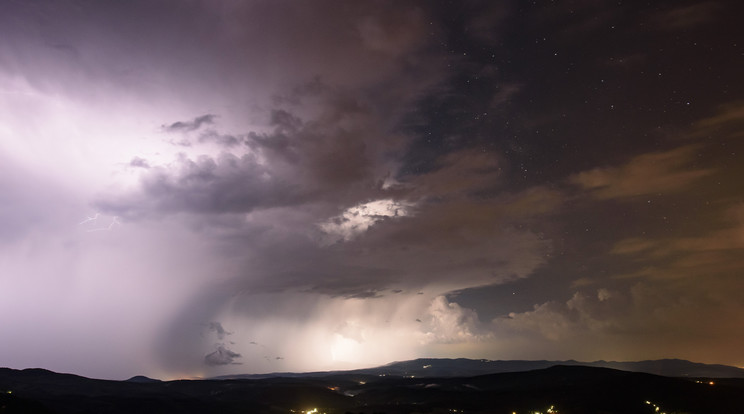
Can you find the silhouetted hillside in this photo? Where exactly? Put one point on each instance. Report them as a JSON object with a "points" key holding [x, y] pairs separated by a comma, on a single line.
{"points": [[567, 389], [142, 378]]}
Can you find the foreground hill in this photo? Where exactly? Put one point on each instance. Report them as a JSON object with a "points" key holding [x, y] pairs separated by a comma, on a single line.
{"points": [[567, 389]]}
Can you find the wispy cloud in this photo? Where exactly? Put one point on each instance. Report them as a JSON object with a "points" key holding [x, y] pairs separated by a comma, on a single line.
{"points": [[651, 173]]}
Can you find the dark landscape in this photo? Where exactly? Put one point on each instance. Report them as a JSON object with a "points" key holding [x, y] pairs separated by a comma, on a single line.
{"points": [[393, 388]]}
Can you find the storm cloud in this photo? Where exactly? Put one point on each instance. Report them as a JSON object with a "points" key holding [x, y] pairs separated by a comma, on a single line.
{"points": [[298, 185]]}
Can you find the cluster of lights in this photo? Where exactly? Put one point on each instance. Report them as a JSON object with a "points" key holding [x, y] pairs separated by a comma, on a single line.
{"points": [[550, 410], [657, 409], [705, 382], [310, 411]]}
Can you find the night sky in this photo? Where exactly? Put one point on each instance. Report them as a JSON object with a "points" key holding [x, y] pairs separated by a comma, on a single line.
{"points": [[197, 188]]}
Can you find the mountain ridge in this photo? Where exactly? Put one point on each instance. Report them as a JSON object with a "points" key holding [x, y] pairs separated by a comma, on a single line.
{"points": [[465, 367]]}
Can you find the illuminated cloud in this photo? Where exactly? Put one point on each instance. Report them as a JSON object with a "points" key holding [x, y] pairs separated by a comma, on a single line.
{"points": [[450, 323], [356, 220]]}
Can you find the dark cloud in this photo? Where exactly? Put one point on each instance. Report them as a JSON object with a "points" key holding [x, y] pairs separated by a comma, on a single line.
{"points": [[217, 328], [189, 126], [429, 247], [224, 140], [339, 154], [222, 356], [224, 184], [139, 162]]}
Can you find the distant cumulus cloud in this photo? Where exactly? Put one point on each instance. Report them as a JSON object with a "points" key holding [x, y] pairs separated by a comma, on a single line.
{"points": [[448, 322]]}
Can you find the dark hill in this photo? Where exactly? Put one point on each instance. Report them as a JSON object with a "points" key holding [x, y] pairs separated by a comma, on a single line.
{"points": [[568, 389], [142, 379]]}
